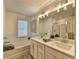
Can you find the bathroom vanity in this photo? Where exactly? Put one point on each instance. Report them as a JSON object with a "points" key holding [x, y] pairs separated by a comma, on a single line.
{"points": [[52, 49]]}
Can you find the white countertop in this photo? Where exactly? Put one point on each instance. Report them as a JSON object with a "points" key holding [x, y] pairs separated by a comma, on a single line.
{"points": [[70, 52]]}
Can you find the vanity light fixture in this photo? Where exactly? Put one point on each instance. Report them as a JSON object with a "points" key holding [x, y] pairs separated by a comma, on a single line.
{"points": [[73, 1], [46, 13], [73, 5], [58, 11], [65, 8], [43, 16], [39, 16]]}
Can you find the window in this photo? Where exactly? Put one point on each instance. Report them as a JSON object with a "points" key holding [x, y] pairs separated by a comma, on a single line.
{"points": [[22, 28]]}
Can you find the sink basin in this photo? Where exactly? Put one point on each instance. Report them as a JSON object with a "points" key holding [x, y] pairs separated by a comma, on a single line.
{"points": [[67, 41], [62, 45]]}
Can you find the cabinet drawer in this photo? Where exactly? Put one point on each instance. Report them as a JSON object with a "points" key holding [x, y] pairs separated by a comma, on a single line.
{"points": [[62, 56], [40, 55], [50, 56], [57, 54], [33, 49], [51, 51]]}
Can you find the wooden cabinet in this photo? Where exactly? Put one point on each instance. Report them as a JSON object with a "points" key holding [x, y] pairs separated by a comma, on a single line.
{"points": [[40, 51], [54, 54], [40, 55], [49, 56], [37, 50], [33, 49]]}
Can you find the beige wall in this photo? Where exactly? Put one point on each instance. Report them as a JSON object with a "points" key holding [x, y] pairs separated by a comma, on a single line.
{"points": [[10, 23]]}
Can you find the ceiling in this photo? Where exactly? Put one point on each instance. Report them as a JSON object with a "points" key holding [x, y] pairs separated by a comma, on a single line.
{"points": [[27, 7]]}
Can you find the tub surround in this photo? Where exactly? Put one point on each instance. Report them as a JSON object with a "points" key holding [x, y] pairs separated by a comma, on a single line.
{"points": [[18, 42], [21, 49]]}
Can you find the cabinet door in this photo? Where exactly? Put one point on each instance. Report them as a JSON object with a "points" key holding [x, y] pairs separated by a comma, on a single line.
{"points": [[31, 49], [40, 55], [35, 50], [49, 56], [55, 54], [62, 56], [41, 51]]}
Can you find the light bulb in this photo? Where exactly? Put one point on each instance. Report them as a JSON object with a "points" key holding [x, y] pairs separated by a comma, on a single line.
{"points": [[65, 8]]}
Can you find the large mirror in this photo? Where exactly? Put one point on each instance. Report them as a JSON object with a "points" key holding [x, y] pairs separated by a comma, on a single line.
{"points": [[64, 27], [60, 28]]}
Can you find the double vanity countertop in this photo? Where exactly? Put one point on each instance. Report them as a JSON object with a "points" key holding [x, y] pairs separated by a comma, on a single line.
{"points": [[70, 51]]}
